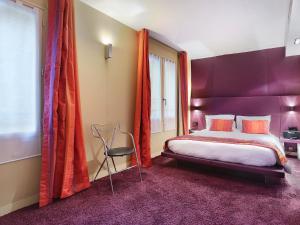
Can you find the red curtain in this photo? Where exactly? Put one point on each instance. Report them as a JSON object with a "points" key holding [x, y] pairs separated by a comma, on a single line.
{"points": [[184, 90], [142, 121], [64, 167]]}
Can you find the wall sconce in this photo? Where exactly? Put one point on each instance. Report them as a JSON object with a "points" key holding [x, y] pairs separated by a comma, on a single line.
{"points": [[291, 108], [108, 51], [195, 124], [195, 107]]}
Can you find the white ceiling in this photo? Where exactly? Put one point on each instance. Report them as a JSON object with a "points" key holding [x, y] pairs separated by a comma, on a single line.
{"points": [[206, 28], [293, 30]]}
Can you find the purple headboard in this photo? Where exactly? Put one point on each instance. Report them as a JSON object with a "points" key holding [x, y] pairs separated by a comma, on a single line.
{"points": [[276, 106]]}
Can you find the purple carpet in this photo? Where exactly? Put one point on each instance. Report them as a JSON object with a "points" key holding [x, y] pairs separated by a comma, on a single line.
{"points": [[175, 195]]}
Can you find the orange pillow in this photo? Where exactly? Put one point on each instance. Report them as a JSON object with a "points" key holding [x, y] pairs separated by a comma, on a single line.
{"points": [[221, 125], [255, 126]]}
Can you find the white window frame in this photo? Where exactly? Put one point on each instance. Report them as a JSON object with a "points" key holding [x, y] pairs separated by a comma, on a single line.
{"points": [[165, 100], [160, 128], [162, 73]]}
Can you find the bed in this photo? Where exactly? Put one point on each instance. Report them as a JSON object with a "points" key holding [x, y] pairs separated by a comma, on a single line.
{"points": [[253, 159], [245, 156], [273, 171], [242, 157], [227, 152]]}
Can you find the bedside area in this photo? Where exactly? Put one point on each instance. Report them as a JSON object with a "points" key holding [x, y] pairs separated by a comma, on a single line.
{"points": [[288, 143]]}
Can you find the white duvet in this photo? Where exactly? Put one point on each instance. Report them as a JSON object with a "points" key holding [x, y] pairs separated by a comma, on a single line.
{"points": [[235, 153]]}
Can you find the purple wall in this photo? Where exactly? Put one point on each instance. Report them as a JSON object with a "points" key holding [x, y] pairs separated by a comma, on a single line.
{"points": [[258, 73], [276, 106], [244, 84]]}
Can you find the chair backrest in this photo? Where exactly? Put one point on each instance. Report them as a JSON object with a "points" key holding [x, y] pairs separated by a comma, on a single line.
{"points": [[105, 132]]}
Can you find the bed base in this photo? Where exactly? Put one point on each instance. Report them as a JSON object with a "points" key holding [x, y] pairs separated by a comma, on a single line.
{"points": [[272, 171]]}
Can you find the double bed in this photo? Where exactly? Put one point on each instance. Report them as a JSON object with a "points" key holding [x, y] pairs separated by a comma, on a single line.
{"points": [[255, 153], [229, 152]]}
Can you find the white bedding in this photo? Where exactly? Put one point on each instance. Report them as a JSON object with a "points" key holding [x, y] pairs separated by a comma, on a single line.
{"points": [[235, 153]]}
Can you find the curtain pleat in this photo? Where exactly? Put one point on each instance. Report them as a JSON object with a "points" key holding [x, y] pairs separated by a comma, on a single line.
{"points": [[64, 167], [142, 127], [184, 90]]}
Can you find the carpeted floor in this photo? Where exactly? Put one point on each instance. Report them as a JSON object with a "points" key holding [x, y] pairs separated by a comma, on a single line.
{"points": [[175, 195]]}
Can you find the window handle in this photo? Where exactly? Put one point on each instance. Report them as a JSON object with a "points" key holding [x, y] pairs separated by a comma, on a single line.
{"points": [[165, 101]]}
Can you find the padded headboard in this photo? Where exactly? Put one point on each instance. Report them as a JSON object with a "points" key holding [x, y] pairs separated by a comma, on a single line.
{"points": [[276, 106]]}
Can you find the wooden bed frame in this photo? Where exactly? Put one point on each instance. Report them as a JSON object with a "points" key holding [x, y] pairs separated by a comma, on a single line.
{"points": [[273, 171]]}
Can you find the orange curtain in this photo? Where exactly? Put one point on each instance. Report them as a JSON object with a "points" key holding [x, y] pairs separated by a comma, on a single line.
{"points": [[64, 167], [142, 121], [184, 90]]}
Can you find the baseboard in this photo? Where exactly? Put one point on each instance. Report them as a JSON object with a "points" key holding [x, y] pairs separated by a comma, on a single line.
{"points": [[13, 206]]}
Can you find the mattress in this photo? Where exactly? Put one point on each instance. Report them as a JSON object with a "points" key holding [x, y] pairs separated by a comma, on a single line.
{"points": [[235, 153]]}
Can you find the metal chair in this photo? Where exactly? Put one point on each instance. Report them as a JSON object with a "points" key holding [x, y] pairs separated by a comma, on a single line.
{"points": [[106, 133]]}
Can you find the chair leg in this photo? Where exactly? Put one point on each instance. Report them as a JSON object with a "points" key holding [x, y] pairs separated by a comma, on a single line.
{"points": [[113, 161], [138, 164], [109, 173], [99, 169]]}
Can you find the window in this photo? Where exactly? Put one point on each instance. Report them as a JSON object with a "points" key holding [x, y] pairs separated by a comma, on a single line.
{"points": [[169, 95], [19, 81], [163, 94], [155, 77]]}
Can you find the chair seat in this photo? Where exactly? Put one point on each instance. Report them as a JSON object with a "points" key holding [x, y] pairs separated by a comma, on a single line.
{"points": [[120, 151]]}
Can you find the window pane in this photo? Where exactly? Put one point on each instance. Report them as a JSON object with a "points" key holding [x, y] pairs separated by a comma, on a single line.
{"points": [[155, 76], [170, 95], [19, 80], [18, 69]]}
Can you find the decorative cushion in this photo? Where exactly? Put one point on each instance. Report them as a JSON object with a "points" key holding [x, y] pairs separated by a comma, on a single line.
{"points": [[256, 126], [221, 125], [239, 120], [208, 119]]}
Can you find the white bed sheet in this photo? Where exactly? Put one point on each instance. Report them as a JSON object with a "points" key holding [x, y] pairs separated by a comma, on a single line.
{"points": [[235, 153]]}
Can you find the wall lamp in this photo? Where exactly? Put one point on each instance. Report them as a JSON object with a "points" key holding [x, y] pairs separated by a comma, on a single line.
{"points": [[108, 51], [195, 107], [291, 108]]}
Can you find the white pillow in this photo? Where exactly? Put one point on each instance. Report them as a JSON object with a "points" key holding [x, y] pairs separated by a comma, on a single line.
{"points": [[239, 120], [208, 119]]}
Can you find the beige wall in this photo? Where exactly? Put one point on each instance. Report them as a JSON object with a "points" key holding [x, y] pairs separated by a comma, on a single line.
{"points": [[158, 139], [107, 94], [107, 86]]}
